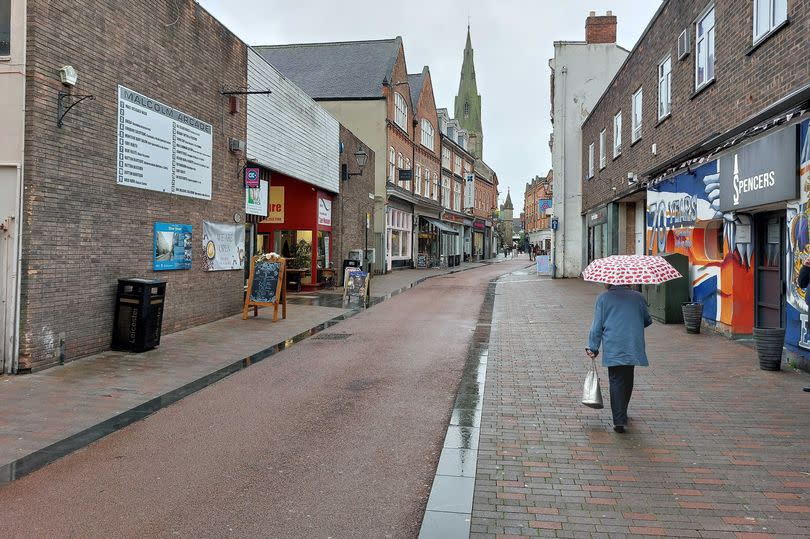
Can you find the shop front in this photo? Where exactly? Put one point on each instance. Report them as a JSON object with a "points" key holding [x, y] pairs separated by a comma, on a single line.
{"points": [[797, 245], [398, 235], [598, 234], [466, 243], [478, 236], [454, 246], [298, 227]]}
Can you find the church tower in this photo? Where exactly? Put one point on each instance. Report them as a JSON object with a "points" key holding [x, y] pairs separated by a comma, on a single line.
{"points": [[468, 102]]}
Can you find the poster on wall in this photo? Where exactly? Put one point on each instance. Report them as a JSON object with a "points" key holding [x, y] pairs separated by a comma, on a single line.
{"points": [[275, 206], [172, 246], [256, 199], [161, 148], [223, 246], [797, 323], [324, 212]]}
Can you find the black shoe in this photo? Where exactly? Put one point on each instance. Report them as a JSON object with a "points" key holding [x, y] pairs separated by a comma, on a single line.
{"points": [[619, 428], [806, 389]]}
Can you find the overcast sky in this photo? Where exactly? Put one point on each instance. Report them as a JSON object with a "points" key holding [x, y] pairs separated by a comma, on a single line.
{"points": [[513, 41]]}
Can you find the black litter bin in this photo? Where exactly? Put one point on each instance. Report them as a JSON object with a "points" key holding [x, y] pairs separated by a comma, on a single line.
{"points": [[138, 314], [348, 263]]}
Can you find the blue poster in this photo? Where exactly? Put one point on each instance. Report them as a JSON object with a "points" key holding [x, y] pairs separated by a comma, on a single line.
{"points": [[172, 246], [543, 265]]}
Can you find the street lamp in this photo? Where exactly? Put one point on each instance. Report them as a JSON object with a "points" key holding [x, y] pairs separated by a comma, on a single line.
{"points": [[362, 159]]}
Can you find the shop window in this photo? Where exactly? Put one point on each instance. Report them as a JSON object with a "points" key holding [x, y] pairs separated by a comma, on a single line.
{"points": [[324, 249], [296, 247], [713, 240]]}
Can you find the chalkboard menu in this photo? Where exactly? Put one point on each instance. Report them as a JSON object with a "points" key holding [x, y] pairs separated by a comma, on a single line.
{"points": [[266, 286], [421, 261], [265, 282]]}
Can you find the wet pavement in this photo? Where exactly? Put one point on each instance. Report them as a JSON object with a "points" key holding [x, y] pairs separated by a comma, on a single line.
{"points": [[339, 435], [715, 446], [54, 412]]}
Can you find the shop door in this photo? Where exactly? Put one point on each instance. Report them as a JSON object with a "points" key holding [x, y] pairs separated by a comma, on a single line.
{"points": [[770, 272]]}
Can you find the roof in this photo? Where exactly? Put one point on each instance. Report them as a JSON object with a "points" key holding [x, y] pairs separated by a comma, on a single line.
{"points": [[415, 81], [507, 205], [349, 69]]}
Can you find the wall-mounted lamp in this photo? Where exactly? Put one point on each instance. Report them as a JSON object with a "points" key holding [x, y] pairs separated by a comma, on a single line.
{"points": [[362, 159], [68, 76]]}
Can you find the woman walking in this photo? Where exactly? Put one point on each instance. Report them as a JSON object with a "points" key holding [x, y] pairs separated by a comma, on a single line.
{"points": [[619, 319]]}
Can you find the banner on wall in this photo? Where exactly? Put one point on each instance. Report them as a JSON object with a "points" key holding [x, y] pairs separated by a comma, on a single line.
{"points": [[256, 199], [324, 212], [797, 325], [223, 246], [172, 246]]}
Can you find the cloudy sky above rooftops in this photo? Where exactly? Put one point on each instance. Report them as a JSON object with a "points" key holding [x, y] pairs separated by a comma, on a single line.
{"points": [[513, 41]]}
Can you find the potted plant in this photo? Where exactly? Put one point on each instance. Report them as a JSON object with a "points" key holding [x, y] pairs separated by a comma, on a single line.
{"points": [[692, 314], [770, 342]]}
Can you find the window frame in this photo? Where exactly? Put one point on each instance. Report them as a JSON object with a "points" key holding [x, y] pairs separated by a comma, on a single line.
{"points": [[701, 38], [6, 55], [773, 24], [617, 134], [428, 138], [602, 152], [418, 180], [635, 130], [446, 158], [590, 160], [400, 111], [667, 79], [392, 167]]}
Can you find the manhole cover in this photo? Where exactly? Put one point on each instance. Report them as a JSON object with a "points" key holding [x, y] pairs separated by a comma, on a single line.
{"points": [[332, 336]]}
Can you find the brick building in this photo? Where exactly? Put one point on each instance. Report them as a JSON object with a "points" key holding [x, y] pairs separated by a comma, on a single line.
{"points": [[457, 168], [537, 199], [79, 208], [673, 155]]}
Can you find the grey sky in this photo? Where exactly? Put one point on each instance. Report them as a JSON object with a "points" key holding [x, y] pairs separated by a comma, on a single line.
{"points": [[513, 41]]}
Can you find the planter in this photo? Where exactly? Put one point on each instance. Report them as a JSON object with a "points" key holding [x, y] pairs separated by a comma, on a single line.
{"points": [[770, 342], [692, 316]]}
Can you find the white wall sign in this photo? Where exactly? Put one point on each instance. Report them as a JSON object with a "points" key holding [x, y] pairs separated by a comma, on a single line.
{"points": [[223, 246], [256, 199], [161, 148], [324, 212]]}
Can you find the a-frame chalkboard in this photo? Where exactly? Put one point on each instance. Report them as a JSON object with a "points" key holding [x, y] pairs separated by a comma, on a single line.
{"points": [[267, 285], [355, 284]]}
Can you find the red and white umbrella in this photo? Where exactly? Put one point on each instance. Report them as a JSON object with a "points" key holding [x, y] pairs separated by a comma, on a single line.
{"points": [[630, 269]]}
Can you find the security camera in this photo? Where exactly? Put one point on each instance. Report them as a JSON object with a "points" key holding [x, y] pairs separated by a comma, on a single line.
{"points": [[631, 178], [68, 76]]}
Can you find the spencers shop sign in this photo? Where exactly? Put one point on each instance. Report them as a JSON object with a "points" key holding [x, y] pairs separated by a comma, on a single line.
{"points": [[761, 172]]}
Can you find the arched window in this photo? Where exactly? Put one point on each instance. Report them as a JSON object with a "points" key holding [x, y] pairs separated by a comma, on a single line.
{"points": [[427, 134], [466, 109], [400, 111]]}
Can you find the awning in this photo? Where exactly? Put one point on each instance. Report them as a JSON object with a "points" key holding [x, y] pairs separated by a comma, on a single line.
{"points": [[441, 226]]}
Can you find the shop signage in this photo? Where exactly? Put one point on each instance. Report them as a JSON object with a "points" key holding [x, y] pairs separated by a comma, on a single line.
{"points": [[543, 204], [405, 175], [172, 247], [256, 199], [161, 148], [223, 246], [760, 172], [598, 217], [275, 206], [469, 191], [479, 225], [324, 212], [251, 178]]}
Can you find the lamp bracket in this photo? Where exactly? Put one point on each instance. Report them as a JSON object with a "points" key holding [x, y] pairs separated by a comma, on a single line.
{"points": [[62, 110]]}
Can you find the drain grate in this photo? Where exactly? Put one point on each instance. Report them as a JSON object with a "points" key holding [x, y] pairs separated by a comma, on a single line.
{"points": [[332, 336]]}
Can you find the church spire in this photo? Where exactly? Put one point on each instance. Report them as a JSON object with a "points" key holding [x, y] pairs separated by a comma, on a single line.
{"points": [[468, 102]]}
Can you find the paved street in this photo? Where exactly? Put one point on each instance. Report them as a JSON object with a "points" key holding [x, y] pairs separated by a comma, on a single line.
{"points": [[715, 448], [332, 437]]}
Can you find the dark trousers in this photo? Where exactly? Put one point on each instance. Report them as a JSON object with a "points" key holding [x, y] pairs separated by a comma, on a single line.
{"points": [[621, 388]]}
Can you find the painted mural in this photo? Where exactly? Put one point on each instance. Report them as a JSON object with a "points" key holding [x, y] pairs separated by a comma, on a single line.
{"points": [[797, 334], [683, 217]]}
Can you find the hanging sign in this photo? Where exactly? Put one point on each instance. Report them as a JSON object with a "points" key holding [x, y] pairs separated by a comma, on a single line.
{"points": [[223, 246], [251, 178], [256, 199], [161, 148]]}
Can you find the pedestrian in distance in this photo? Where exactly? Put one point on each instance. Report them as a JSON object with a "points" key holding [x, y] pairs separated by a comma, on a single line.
{"points": [[804, 281], [620, 316]]}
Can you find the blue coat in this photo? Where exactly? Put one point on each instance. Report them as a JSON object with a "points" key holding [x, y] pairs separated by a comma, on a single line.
{"points": [[619, 319]]}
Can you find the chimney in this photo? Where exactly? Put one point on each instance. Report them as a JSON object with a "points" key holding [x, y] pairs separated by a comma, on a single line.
{"points": [[600, 28]]}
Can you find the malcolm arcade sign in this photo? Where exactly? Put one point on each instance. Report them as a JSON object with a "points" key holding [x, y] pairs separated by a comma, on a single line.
{"points": [[760, 172]]}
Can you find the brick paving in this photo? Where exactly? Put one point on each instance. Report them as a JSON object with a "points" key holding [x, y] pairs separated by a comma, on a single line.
{"points": [[715, 448]]}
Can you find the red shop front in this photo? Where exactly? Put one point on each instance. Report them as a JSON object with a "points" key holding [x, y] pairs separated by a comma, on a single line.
{"points": [[299, 228]]}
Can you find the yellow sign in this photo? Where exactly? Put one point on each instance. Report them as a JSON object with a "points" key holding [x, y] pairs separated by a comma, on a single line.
{"points": [[275, 205]]}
